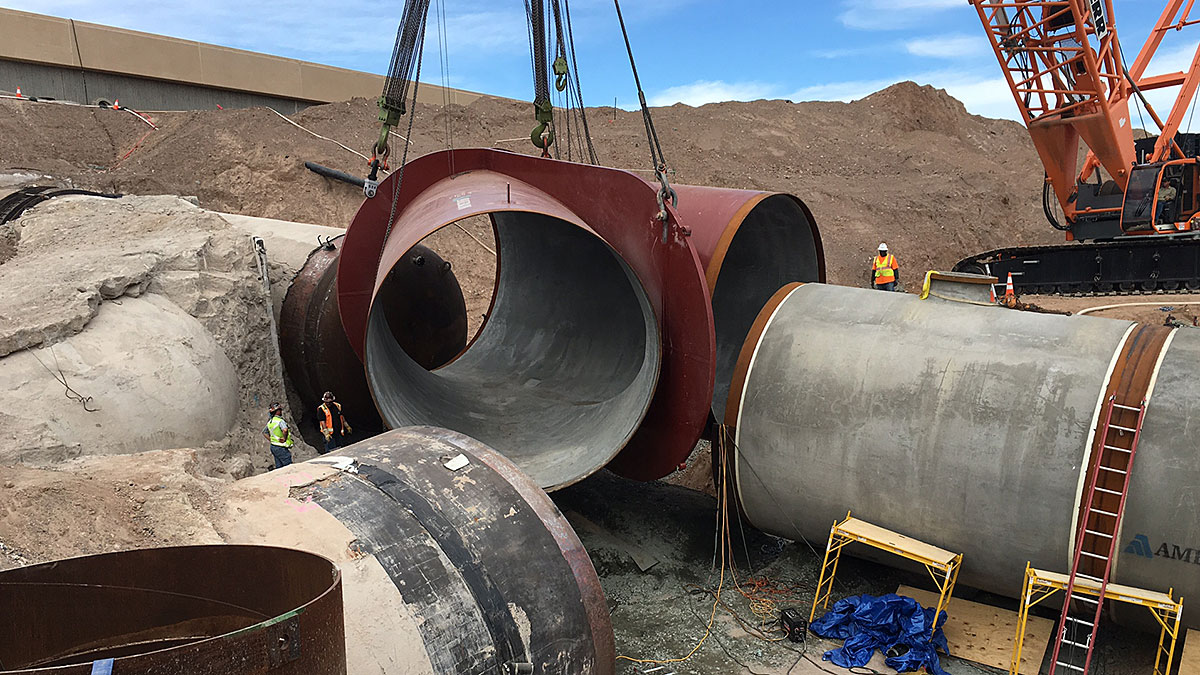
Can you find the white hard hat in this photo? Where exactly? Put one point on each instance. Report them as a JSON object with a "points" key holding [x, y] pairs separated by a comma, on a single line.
{"points": [[882, 246]]}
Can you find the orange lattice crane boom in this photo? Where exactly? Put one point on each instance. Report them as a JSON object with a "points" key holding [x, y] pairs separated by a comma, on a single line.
{"points": [[1073, 83], [1064, 63]]}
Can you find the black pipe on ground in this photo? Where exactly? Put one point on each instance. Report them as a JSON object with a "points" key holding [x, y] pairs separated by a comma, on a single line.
{"points": [[334, 174]]}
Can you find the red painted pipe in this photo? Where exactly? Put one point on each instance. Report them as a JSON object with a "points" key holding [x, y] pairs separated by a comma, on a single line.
{"points": [[428, 317], [725, 249]]}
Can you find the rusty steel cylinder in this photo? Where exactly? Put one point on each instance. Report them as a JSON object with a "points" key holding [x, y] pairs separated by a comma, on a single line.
{"points": [[235, 610], [453, 560], [972, 427], [424, 310]]}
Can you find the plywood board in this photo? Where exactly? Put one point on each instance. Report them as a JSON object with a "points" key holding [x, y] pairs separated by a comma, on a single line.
{"points": [[984, 634], [872, 532], [1189, 662]]}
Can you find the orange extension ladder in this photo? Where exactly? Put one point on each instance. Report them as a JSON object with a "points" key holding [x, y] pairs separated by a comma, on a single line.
{"points": [[1077, 627]]}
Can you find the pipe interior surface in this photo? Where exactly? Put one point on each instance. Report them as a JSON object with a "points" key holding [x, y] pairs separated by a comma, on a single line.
{"points": [[563, 369], [774, 245]]}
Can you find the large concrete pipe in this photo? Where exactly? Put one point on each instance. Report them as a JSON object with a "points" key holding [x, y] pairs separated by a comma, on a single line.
{"points": [[239, 610], [601, 335], [424, 311], [972, 427], [453, 561]]}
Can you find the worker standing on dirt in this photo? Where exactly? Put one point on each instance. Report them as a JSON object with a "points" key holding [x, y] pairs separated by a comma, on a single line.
{"points": [[333, 424], [884, 270], [280, 437]]}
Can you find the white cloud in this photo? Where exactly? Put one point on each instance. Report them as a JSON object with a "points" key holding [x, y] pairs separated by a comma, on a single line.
{"points": [[846, 90], [985, 96], [487, 31], [891, 14], [948, 47], [841, 52], [1171, 59], [712, 91]]}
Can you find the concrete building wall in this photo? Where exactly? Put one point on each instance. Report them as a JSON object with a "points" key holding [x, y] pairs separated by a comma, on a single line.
{"points": [[84, 62], [68, 84]]}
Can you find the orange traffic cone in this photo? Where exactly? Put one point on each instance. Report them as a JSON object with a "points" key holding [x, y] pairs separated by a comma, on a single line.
{"points": [[1008, 288], [19, 93], [116, 104], [992, 292]]}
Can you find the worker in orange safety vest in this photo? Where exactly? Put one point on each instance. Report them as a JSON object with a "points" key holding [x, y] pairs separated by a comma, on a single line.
{"points": [[334, 426], [884, 270]]}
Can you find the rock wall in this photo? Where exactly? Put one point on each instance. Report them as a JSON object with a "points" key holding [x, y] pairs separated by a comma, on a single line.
{"points": [[152, 307]]}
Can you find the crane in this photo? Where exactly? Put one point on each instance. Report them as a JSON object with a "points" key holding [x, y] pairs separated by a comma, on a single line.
{"points": [[1133, 201]]}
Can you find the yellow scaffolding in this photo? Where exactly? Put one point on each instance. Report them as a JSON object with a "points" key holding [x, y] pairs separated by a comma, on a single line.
{"points": [[941, 564], [1040, 585]]}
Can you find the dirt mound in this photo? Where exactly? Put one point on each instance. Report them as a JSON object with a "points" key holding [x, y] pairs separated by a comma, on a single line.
{"points": [[907, 165], [105, 504], [910, 107], [154, 309], [65, 140]]}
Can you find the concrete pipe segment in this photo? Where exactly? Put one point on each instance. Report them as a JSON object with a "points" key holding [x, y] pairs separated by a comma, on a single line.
{"points": [[600, 342], [970, 427], [425, 313], [453, 560], [228, 610]]}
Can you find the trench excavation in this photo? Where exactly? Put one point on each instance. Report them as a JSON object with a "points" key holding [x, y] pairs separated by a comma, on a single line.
{"points": [[562, 370]]}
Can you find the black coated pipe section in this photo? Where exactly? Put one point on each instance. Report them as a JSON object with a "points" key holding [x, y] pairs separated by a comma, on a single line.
{"points": [[334, 174], [456, 561]]}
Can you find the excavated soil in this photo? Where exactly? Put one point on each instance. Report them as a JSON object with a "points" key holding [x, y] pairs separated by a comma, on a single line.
{"points": [[907, 165]]}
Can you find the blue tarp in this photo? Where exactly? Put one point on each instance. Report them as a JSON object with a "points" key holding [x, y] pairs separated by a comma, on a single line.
{"points": [[867, 623]]}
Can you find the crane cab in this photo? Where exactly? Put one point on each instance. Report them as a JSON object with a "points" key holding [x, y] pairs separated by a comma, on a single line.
{"points": [[1161, 198]]}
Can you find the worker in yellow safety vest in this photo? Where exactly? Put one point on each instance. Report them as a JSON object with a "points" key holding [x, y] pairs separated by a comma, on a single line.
{"points": [[279, 435], [334, 426], [884, 270]]}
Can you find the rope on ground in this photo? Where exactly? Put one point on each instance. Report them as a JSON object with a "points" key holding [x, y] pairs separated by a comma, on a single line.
{"points": [[326, 138], [140, 116], [479, 241], [61, 377], [1101, 308]]}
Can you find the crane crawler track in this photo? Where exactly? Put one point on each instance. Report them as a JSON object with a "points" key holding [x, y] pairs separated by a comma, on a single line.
{"points": [[1144, 266]]}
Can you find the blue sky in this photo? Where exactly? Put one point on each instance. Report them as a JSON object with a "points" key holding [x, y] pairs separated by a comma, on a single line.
{"points": [[690, 51]]}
